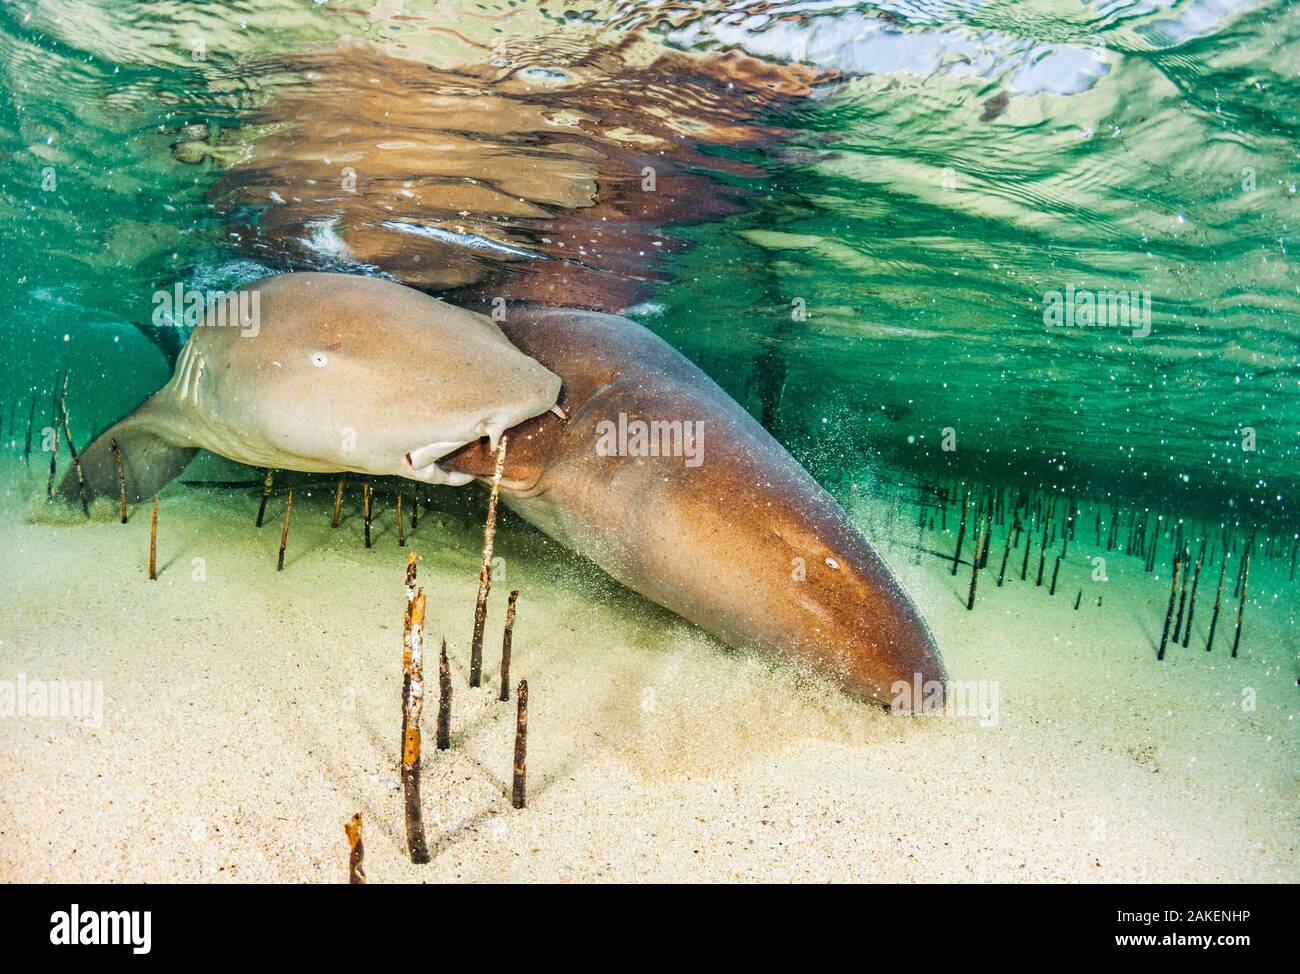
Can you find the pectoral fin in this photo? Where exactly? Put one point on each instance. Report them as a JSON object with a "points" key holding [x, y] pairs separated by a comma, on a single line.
{"points": [[149, 462]]}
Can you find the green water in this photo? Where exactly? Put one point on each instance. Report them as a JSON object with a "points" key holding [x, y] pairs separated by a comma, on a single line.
{"points": [[879, 269]]}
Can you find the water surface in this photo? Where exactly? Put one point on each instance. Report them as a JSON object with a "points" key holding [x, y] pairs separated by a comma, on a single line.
{"points": [[858, 209]]}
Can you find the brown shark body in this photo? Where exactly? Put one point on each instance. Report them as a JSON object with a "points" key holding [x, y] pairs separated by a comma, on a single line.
{"points": [[700, 510]]}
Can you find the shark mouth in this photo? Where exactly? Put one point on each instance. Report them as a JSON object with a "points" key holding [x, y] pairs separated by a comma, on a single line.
{"points": [[422, 464]]}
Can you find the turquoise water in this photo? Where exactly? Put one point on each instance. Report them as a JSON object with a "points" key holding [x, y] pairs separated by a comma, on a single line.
{"points": [[860, 211]]}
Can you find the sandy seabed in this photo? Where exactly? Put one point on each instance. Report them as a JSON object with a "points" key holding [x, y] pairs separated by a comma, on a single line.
{"points": [[247, 714]]}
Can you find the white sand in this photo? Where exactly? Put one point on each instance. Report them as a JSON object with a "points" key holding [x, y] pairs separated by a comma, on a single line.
{"points": [[246, 716]]}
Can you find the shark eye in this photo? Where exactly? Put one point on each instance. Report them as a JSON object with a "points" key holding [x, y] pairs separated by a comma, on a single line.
{"points": [[319, 359]]}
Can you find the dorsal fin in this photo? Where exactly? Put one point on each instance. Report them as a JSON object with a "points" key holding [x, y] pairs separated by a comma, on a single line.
{"points": [[169, 341]]}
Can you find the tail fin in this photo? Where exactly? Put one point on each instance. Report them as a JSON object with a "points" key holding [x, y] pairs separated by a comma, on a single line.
{"points": [[149, 462]]}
